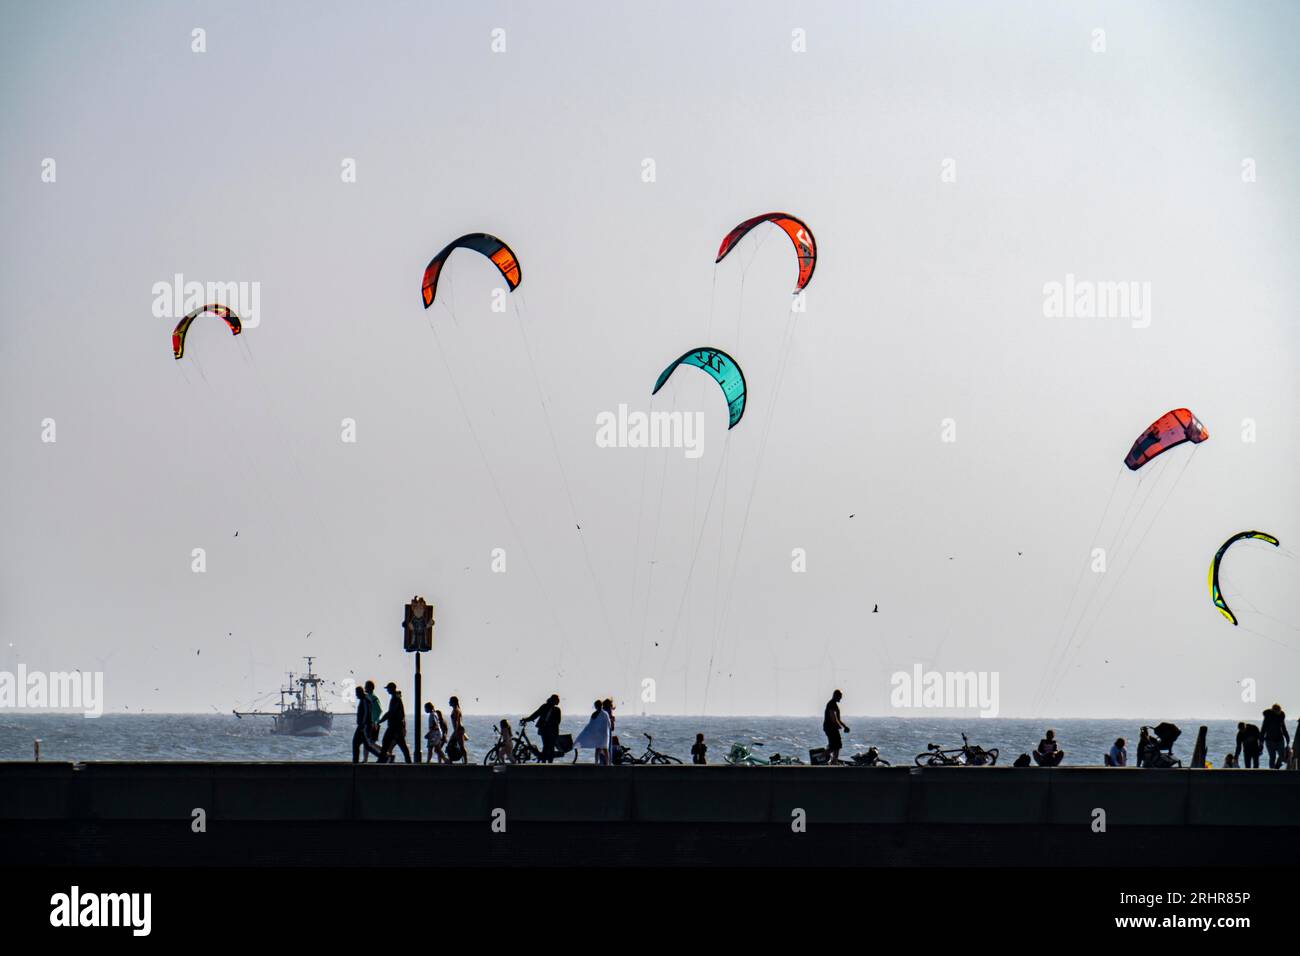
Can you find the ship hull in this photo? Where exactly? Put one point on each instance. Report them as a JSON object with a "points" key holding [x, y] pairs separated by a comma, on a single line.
{"points": [[311, 724]]}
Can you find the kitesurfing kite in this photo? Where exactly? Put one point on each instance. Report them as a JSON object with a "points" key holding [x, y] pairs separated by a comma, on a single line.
{"points": [[183, 327], [1215, 594], [723, 369], [805, 246], [501, 255], [1166, 432]]}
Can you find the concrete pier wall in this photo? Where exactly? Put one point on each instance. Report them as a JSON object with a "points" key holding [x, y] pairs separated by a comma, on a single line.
{"points": [[321, 814]]}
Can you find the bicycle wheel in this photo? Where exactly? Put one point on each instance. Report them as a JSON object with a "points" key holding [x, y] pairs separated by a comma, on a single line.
{"points": [[492, 756], [661, 759]]}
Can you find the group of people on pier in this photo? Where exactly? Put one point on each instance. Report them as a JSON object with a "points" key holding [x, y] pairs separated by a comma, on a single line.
{"points": [[446, 739]]}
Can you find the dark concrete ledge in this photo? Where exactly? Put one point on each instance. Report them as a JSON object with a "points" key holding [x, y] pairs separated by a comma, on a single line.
{"points": [[319, 814]]}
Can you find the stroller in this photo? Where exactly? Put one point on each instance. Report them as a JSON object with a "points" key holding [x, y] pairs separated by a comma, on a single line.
{"points": [[1156, 746]]}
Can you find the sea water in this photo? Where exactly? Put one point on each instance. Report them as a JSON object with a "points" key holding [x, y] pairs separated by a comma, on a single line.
{"points": [[228, 738]]}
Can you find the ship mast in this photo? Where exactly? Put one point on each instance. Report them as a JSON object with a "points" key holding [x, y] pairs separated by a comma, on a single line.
{"points": [[313, 682]]}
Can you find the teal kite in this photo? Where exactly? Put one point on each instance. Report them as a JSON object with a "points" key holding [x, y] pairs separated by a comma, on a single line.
{"points": [[723, 369]]}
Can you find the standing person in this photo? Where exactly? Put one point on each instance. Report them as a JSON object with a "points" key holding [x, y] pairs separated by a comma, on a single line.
{"points": [[1144, 741], [698, 751], [436, 735], [596, 734], [442, 730], [456, 752], [507, 741], [832, 725], [1250, 742], [395, 735], [548, 725], [375, 710], [362, 737], [1276, 737], [607, 705]]}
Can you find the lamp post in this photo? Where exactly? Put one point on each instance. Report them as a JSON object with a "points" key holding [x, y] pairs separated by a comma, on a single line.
{"points": [[417, 636]]}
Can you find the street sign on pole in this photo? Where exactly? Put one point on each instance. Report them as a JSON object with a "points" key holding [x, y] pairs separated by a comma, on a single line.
{"points": [[417, 628], [417, 636]]}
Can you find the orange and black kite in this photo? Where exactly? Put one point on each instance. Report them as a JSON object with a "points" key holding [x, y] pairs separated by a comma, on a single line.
{"points": [[501, 255], [183, 327], [1168, 431], [805, 246]]}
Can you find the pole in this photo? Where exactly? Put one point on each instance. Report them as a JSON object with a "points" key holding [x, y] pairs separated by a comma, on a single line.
{"points": [[418, 745]]}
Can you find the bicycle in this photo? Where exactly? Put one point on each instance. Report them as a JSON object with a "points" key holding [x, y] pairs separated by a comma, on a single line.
{"points": [[651, 756], [497, 755], [964, 756], [871, 758], [742, 756], [523, 751]]}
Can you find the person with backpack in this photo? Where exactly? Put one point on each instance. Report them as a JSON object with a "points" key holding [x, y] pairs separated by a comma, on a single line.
{"points": [[1276, 737]]}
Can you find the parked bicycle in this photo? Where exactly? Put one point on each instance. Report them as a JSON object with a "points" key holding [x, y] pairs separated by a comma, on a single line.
{"points": [[651, 756], [742, 756], [963, 756], [871, 758], [498, 753]]}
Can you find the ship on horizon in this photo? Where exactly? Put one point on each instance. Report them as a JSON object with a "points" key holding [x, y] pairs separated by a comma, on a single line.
{"points": [[300, 713]]}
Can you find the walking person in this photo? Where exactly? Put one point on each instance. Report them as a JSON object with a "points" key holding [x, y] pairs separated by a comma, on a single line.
{"points": [[456, 751], [436, 735], [832, 725], [362, 737], [395, 734], [1276, 737], [375, 710], [548, 725]]}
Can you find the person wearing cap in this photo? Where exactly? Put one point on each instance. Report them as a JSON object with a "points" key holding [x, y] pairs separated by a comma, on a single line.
{"points": [[395, 734]]}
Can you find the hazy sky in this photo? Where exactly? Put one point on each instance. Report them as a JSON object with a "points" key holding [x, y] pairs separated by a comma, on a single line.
{"points": [[927, 304]]}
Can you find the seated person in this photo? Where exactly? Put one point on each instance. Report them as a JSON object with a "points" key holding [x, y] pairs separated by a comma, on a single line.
{"points": [[1049, 753], [1118, 755]]}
